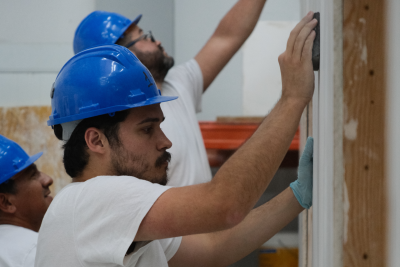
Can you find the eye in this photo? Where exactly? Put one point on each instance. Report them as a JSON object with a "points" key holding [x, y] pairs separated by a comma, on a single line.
{"points": [[34, 174], [148, 130]]}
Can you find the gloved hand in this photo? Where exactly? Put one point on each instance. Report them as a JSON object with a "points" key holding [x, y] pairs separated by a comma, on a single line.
{"points": [[302, 187]]}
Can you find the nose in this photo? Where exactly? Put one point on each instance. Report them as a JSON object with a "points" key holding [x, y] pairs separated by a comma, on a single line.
{"points": [[46, 180], [164, 143], [158, 43]]}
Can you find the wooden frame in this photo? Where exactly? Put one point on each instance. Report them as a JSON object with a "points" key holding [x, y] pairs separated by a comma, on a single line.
{"points": [[347, 223]]}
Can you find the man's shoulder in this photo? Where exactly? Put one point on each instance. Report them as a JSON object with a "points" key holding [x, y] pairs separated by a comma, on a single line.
{"points": [[190, 66], [186, 77], [8, 228], [20, 236]]}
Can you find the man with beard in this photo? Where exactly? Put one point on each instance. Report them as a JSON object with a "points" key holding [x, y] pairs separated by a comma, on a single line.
{"points": [[188, 81], [24, 199], [117, 211]]}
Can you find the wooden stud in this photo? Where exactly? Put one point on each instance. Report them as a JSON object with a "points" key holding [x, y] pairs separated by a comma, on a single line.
{"points": [[364, 241]]}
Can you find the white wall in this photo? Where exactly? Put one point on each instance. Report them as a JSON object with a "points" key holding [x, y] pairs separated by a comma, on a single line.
{"points": [[262, 81], [35, 42], [195, 21]]}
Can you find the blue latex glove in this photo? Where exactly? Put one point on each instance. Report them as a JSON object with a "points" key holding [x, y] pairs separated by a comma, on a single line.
{"points": [[302, 187]]}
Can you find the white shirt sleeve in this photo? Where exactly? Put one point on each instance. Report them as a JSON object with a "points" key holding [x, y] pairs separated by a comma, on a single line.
{"points": [[190, 79], [107, 216], [170, 246]]}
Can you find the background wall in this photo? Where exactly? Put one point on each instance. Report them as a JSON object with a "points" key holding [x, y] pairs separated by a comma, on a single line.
{"points": [[35, 42]]}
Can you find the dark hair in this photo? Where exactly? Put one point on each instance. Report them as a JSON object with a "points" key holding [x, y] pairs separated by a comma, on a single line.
{"points": [[9, 187], [75, 154]]}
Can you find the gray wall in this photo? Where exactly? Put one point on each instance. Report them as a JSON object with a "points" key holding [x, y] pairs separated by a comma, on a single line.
{"points": [[158, 16]]}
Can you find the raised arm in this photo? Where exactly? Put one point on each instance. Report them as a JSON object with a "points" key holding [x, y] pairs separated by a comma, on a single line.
{"points": [[226, 200], [231, 33]]}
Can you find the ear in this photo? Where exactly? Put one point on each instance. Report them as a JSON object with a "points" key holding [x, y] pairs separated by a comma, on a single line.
{"points": [[6, 204], [96, 140]]}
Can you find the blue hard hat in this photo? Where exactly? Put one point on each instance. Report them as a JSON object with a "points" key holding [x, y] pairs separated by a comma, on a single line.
{"points": [[102, 80], [13, 159], [101, 28]]}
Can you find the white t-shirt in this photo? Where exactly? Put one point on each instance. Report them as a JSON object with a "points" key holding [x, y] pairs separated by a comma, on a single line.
{"points": [[189, 164], [17, 246], [93, 223]]}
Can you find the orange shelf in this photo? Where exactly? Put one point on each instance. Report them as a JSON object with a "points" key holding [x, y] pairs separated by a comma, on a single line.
{"points": [[230, 136]]}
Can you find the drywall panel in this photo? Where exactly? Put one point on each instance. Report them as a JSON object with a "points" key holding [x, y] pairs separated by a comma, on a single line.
{"points": [[262, 83], [392, 142]]}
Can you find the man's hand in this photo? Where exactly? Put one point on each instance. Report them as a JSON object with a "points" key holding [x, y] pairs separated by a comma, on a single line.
{"points": [[295, 62], [302, 187]]}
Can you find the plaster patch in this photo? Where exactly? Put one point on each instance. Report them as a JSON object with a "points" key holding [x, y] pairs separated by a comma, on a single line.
{"points": [[362, 45], [364, 54], [350, 129], [370, 153], [346, 208]]}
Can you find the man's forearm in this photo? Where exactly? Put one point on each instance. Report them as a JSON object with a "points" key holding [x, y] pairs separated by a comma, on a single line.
{"points": [[248, 172], [229, 36], [259, 226]]}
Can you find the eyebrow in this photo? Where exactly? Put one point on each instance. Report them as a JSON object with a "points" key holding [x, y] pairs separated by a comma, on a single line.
{"points": [[140, 31], [151, 120], [31, 169]]}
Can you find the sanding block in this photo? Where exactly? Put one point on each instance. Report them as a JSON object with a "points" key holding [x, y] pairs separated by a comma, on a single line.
{"points": [[315, 49]]}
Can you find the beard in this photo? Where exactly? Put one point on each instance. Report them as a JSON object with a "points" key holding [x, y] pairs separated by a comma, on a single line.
{"points": [[125, 163], [156, 62]]}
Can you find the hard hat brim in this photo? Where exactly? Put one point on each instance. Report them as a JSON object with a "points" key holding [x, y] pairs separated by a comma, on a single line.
{"points": [[135, 21], [28, 163], [97, 112]]}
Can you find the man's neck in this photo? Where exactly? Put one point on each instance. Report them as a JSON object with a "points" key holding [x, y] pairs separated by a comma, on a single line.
{"points": [[91, 172], [18, 222], [159, 85]]}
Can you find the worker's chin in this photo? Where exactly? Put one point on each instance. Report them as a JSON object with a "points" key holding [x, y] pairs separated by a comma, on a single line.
{"points": [[169, 62], [161, 179], [48, 200]]}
